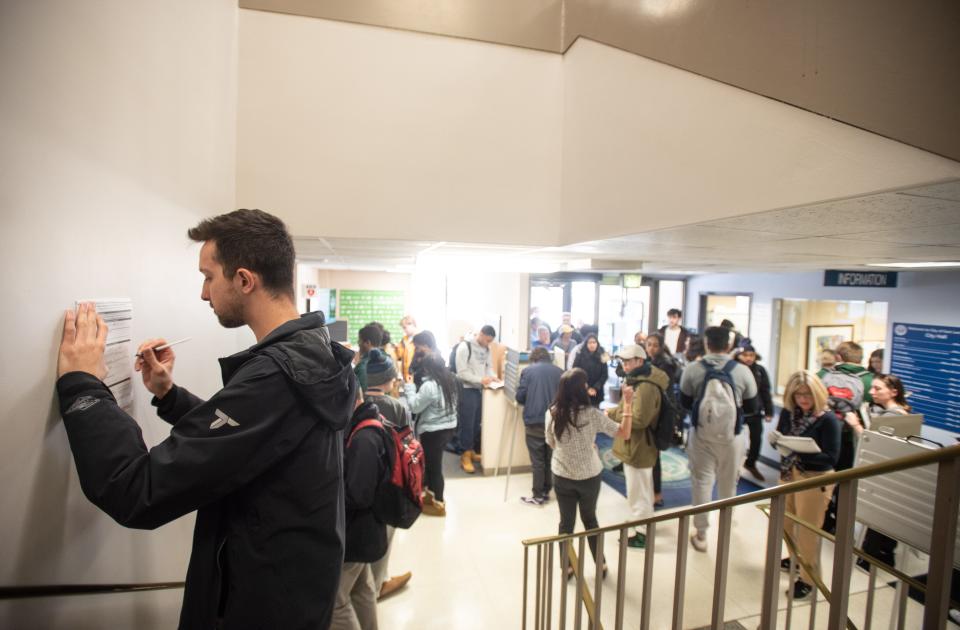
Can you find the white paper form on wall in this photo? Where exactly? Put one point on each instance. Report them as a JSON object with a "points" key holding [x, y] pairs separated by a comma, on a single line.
{"points": [[118, 315]]}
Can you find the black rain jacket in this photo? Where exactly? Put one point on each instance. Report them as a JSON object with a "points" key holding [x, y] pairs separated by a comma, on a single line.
{"points": [[366, 464], [262, 464]]}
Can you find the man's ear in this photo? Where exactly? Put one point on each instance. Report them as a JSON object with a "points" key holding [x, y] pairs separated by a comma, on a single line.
{"points": [[246, 280]]}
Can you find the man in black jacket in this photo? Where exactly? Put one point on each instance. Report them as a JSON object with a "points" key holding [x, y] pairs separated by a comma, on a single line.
{"points": [[537, 389], [747, 355], [260, 461], [365, 468]]}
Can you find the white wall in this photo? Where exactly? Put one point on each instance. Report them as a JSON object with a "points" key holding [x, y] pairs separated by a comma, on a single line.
{"points": [[117, 133], [348, 130], [648, 146]]}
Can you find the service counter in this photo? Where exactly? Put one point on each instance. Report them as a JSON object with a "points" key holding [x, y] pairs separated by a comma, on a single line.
{"points": [[501, 418]]}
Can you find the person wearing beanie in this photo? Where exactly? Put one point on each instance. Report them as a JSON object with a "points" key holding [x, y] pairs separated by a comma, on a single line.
{"points": [[641, 398], [747, 355], [381, 374]]}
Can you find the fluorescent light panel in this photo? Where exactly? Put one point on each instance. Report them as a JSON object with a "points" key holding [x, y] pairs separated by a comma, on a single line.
{"points": [[917, 265]]}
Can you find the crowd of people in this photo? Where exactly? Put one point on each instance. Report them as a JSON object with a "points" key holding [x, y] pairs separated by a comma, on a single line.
{"points": [[289, 531]]}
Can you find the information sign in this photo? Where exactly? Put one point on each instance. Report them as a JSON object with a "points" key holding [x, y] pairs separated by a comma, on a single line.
{"points": [[927, 359], [872, 279]]}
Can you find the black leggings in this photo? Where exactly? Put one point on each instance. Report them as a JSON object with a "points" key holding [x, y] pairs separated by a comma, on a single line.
{"points": [[432, 443], [578, 493]]}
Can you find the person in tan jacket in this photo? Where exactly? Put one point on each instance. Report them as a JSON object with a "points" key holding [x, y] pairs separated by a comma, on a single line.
{"points": [[641, 395]]}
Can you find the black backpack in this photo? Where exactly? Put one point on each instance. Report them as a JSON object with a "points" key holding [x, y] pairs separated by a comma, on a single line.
{"points": [[453, 355], [666, 431]]}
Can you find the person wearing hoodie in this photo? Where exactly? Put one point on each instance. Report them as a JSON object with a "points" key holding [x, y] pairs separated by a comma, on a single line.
{"points": [[592, 359], [365, 466], [644, 384], [715, 459], [662, 358], [267, 547]]}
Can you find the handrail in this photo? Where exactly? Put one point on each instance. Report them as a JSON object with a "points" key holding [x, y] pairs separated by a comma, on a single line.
{"points": [[60, 590], [932, 456]]}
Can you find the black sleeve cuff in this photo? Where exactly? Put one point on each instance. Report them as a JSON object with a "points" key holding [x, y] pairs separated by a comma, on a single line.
{"points": [[166, 404]]}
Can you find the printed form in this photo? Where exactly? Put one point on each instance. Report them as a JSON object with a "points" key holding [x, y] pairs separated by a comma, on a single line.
{"points": [[118, 315]]}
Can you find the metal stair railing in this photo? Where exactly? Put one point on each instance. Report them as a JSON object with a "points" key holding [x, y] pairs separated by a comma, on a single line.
{"points": [[937, 602]]}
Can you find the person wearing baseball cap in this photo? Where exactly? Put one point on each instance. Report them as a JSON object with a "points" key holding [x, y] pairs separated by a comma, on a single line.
{"points": [[640, 397]]}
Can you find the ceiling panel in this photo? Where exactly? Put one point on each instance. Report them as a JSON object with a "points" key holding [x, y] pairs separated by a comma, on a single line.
{"points": [[914, 225]]}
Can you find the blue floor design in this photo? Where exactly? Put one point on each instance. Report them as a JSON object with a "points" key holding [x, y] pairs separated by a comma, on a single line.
{"points": [[676, 475]]}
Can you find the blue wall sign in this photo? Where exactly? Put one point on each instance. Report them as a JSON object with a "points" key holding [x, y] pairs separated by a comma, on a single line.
{"points": [[871, 279], [927, 358]]}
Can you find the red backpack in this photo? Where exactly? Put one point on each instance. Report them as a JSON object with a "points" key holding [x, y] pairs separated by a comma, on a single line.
{"points": [[398, 501]]}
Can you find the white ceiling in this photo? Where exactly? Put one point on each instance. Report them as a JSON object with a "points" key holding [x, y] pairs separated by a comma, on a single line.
{"points": [[917, 224]]}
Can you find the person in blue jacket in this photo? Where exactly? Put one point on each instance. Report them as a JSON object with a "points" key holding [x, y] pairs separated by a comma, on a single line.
{"points": [[434, 400], [536, 392], [260, 461]]}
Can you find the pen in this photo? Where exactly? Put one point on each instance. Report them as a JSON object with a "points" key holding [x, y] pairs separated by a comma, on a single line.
{"points": [[166, 345]]}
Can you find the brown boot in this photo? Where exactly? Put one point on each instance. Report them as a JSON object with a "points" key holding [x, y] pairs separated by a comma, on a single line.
{"points": [[466, 462], [394, 584], [435, 508], [428, 497], [477, 457]]}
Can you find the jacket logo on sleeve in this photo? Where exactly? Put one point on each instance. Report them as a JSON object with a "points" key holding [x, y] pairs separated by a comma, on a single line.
{"points": [[223, 419]]}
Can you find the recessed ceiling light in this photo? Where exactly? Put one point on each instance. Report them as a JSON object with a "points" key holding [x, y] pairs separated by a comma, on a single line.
{"points": [[917, 265]]}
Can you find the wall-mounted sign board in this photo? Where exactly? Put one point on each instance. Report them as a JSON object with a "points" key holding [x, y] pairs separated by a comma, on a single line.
{"points": [[927, 359], [871, 279]]}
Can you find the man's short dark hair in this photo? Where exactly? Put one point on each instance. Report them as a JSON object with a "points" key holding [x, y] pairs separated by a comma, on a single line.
{"points": [[540, 354], [489, 331], [371, 334], [674, 312], [254, 240], [717, 339]]}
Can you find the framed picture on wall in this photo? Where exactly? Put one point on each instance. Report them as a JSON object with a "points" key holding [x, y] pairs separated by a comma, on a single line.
{"points": [[820, 338]]}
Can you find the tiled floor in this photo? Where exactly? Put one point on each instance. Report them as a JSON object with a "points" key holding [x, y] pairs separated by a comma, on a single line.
{"points": [[468, 567]]}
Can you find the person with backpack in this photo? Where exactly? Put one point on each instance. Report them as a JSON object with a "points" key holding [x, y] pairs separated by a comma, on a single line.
{"points": [[641, 400], [806, 414], [434, 401], [365, 458], [536, 391], [470, 360], [848, 387], [717, 390], [662, 358], [571, 432]]}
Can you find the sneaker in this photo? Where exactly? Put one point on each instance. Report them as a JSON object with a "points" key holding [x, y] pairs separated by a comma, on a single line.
{"points": [[699, 541], [752, 469], [658, 501], [534, 500], [618, 468], [801, 590], [637, 541]]}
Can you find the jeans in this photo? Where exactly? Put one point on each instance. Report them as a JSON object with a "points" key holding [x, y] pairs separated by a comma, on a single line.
{"points": [[540, 456], [432, 443], [755, 424], [572, 494], [468, 427]]}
